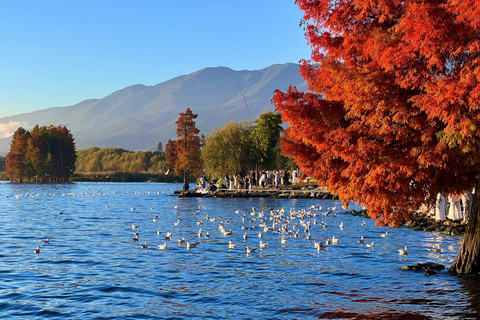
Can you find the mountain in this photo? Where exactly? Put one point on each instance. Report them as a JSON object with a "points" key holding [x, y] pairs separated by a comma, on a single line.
{"points": [[138, 117]]}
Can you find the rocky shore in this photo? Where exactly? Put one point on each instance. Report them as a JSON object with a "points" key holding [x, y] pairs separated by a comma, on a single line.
{"points": [[422, 221], [305, 192]]}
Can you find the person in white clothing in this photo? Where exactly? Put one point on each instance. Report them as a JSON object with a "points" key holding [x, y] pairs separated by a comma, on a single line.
{"points": [[454, 211], [294, 176], [441, 207]]}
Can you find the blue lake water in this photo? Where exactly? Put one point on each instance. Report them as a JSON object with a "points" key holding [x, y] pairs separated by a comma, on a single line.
{"points": [[91, 269]]}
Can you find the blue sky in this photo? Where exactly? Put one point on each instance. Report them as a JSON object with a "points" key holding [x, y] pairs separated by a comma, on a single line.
{"points": [[58, 53]]}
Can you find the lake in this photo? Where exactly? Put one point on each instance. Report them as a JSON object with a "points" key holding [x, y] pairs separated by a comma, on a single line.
{"points": [[91, 268]]}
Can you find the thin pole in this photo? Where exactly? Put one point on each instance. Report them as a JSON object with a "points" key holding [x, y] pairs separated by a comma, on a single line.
{"points": [[248, 109]]}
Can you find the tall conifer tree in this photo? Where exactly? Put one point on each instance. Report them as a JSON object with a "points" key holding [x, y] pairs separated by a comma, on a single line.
{"points": [[187, 146]]}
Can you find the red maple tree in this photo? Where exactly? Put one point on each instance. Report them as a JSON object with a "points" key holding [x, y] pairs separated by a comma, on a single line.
{"points": [[392, 115]]}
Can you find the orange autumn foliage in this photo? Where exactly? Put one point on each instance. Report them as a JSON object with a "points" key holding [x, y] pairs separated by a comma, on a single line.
{"points": [[392, 115]]}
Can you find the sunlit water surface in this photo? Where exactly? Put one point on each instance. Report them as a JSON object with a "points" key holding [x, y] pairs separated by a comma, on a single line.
{"points": [[92, 269]]}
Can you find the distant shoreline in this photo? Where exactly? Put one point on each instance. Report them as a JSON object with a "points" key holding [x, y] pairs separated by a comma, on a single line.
{"points": [[111, 177]]}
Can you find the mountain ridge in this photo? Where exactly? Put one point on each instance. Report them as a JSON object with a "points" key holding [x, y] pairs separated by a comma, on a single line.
{"points": [[138, 116]]}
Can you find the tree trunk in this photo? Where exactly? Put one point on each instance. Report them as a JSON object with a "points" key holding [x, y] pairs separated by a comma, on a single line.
{"points": [[185, 180], [468, 258]]}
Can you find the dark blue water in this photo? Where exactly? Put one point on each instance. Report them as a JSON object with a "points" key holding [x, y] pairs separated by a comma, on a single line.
{"points": [[92, 269]]}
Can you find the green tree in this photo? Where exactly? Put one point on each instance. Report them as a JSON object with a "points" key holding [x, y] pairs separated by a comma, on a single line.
{"points": [[37, 153], [3, 161], [157, 162], [227, 150], [264, 137]]}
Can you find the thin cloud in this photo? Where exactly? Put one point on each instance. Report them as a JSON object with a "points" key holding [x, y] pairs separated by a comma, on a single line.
{"points": [[7, 129]]}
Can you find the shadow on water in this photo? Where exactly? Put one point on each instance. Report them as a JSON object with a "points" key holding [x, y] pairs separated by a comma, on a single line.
{"points": [[471, 286]]}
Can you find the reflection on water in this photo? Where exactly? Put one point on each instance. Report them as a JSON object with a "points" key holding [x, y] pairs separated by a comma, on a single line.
{"points": [[92, 268]]}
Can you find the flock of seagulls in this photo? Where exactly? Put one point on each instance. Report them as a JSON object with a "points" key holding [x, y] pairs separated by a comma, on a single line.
{"points": [[281, 225]]}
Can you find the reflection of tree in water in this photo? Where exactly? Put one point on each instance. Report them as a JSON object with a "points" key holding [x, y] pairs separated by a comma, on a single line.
{"points": [[382, 315], [471, 286]]}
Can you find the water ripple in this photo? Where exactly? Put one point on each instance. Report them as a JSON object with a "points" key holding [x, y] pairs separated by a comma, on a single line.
{"points": [[92, 269]]}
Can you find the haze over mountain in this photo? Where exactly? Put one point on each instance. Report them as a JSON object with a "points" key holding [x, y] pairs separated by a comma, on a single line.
{"points": [[138, 117]]}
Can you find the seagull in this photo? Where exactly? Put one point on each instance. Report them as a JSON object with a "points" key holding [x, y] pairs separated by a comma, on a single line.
{"points": [[318, 245], [155, 218], [361, 240], [364, 223], [327, 242], [230, 244], [284, 240], [334, 240], [134, 226], [263, 244], [163, 246], [60, 212], [181, 241], [341, 225], [403, 251], [227, 233], [370, 245], [144, 246], [435, 248], [191, 245], [384, 235], [46, 241], [200, 233], [245, 236], [135, 236], [159, 232], [260, 234], [37, 251], [250, 250], [207, 235]]}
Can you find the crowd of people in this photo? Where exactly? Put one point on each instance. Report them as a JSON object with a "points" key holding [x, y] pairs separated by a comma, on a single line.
{"points": [[452, 207], [256, 178]]}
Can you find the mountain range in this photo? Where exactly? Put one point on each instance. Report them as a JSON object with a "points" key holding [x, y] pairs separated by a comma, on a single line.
{"points": [[138, 117]]}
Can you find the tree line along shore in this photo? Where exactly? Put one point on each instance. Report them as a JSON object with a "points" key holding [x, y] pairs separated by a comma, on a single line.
{"points": [[237, 147]]}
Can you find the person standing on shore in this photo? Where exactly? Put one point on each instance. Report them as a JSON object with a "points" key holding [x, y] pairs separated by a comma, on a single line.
{"points": [[467, 200], [276, 178], [286, 178], [440, 207], [454, 211], [294, 176]]}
